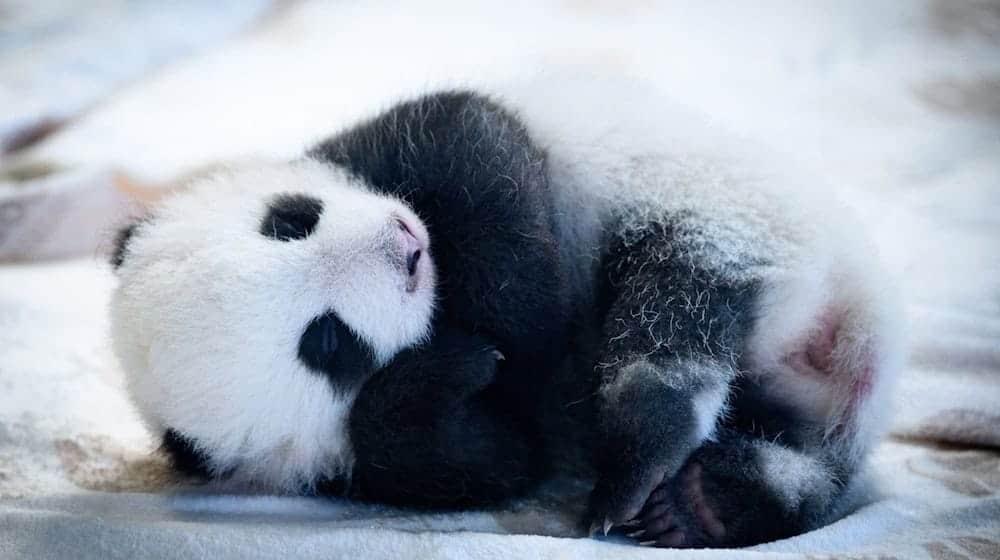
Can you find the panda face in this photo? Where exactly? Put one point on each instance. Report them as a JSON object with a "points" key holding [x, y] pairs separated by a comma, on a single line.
{"points": [[252, 307]]}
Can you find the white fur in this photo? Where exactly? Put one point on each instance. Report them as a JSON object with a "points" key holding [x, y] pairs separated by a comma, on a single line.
{"points": [[636, 150], [836, 275], [709, 404], [209, 313], [792, 475]]}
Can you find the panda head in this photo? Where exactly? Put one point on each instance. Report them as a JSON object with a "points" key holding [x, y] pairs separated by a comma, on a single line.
{"points": [[252, 307]]}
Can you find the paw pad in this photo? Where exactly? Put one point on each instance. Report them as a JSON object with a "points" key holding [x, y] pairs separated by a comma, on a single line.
{"points": [[677, 514]]}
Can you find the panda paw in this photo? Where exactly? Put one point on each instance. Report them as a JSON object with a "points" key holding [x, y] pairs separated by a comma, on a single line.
{"points": [[452, 366], [648, 432], [620, 492], [715, 500], [469, 360], [679, 514]]}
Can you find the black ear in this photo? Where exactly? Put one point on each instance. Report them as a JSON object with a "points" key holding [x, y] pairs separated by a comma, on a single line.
{"points": [[121, 241]]}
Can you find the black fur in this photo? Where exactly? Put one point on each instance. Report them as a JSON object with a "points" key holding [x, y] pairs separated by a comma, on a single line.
{"points": [[428, 431], [121, 241], [327, 346], [291, 216], [752, 413], [652, 283], [184, 455]]}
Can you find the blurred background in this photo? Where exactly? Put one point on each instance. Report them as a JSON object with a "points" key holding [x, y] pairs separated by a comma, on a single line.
{"points": [[105, 104], [114, 95]]}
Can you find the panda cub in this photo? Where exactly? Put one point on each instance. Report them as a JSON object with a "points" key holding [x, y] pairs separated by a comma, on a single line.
{"points": [[444, 304]]}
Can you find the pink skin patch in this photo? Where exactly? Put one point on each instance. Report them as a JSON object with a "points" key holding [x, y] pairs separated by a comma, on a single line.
{"points": [[815, 355], [706, 515], [815, 358]]}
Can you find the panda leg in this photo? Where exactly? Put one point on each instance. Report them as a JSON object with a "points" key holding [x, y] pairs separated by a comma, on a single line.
{"points": [[818, 363], [673, 332]]}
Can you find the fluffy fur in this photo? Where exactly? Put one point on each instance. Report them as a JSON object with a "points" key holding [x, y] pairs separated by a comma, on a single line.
{"points": [[706, 325]]}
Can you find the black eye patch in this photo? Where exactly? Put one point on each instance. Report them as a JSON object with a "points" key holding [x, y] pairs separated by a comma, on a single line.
{"points": [[327, 346], [291, 216]]}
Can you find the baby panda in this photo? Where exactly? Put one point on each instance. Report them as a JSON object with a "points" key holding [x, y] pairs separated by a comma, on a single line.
{"points": [[705, 324], [293, 327]]}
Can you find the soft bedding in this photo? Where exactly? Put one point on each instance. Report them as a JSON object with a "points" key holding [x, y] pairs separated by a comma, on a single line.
{"points": [[896, 101]]}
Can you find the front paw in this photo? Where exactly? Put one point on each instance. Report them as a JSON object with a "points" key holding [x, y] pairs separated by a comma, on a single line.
{"points": [[647, 432], [623, 488], [458, 359], [451, 367]]}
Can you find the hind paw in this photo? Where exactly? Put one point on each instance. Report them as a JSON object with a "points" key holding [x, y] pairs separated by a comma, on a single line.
{"points": [[738, 492], [678, 514]]}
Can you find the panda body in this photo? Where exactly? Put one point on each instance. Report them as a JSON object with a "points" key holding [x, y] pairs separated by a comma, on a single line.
{"points": [[663, 298]]}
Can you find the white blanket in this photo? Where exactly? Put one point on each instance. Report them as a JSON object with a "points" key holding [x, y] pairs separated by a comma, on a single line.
{"points": [[897, 101]]}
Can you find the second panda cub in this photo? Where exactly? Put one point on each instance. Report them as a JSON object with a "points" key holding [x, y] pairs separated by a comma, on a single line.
{"points": [[706, 327]]}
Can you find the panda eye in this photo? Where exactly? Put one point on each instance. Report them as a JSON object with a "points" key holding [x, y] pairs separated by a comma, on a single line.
{"points": [[328, 347], [291, 216]]}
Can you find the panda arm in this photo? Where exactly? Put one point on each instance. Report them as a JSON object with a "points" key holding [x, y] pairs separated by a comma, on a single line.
{"points": [[468, 168], [426, 431]]}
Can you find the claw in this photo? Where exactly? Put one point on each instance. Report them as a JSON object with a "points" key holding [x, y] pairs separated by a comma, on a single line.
{"points": [[635, 534], [594, 527], [607, 525], [632, 523], [673, 538], [647, 543]]}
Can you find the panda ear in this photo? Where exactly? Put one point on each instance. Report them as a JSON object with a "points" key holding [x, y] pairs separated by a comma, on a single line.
{"points": [[122, 238]]}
